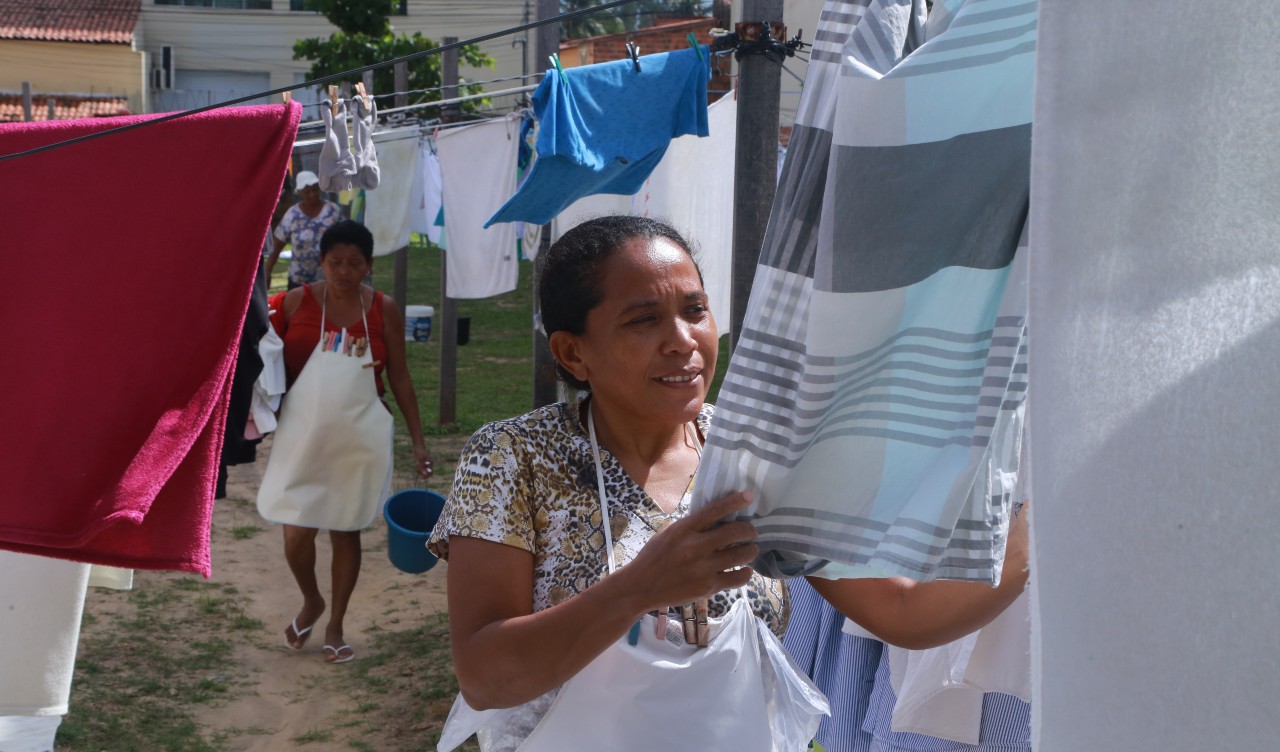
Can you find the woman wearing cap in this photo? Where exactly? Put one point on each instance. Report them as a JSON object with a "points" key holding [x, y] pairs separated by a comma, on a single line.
{"points": [[588, 607], [302, 225], [330, 464]]}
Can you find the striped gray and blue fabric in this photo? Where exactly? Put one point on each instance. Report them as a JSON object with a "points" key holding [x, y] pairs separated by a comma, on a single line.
{"points": [[874, 403]]}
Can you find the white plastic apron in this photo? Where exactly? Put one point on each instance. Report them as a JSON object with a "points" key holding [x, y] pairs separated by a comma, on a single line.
{"points": [[739, 693], [330, 463]]}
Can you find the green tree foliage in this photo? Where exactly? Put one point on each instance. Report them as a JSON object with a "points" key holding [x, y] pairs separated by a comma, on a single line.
{"points": [[365, 36]]}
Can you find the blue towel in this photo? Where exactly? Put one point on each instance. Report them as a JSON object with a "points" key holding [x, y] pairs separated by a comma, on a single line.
{"points": [[604, 127]]}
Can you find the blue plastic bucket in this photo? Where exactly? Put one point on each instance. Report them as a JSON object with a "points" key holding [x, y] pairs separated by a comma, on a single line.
{"points": [[410, 516]]}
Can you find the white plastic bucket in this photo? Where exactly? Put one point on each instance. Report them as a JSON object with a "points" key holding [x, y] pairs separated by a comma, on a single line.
{"points": [[417, 322]]}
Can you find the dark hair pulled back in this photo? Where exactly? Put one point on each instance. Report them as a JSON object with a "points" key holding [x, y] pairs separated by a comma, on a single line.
{"points": [[350, 232], [569, 273]]}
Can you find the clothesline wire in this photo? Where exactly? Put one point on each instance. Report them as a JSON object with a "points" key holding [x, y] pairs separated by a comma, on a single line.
{"points": [[439, 102], [324, 79], [458, 85]]}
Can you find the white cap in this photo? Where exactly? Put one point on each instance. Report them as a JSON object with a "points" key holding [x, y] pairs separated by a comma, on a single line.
{"points": [[304, 179]]}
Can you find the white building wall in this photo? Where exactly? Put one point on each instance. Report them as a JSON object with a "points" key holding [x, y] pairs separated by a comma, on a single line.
{"points": [[260, 42]]}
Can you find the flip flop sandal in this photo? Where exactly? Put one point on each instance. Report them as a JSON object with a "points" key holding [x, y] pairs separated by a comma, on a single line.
{"points": [[338, 657], [300, 635]]}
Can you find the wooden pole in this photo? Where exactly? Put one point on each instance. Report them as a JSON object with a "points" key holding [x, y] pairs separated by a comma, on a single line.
{"points": [[400, 285], [756, 164], [448, 305], [545, 384]]}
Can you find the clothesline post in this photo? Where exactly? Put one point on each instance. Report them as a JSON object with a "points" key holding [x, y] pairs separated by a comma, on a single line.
{"points": [[545, 386], [401, 279], [756, 161], [448, 305]]}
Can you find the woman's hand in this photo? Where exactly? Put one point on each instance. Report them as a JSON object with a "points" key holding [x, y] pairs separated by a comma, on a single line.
{"points": [[695, 557], [422, 461]]}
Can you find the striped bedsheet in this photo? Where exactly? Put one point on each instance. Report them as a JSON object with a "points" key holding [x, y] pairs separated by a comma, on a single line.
{"points": [[874, 402]]}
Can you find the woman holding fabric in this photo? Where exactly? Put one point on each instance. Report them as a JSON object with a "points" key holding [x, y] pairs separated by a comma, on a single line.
{"points": [[554, 639], [330, 464], [302, 225]]}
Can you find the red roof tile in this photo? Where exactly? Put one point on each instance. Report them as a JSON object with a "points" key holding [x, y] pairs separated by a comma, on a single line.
{"points": [[99, 21], [65, 107]]}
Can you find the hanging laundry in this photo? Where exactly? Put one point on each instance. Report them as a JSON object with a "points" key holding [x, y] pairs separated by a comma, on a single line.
{"points": [[238, 447], [388, 211], [478, 167], [118, 416], [691, 190], [43, 600], [874, 402], [940, 692], [337, 167], [427, 201], [1156, 306], [604, 127], [368, 175]]}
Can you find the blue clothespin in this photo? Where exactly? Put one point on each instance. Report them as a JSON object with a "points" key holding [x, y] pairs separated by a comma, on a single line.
{"points": [[693, 42], [554, 58], [633, 636]]}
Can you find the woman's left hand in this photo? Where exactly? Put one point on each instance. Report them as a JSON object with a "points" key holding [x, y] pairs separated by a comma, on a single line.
{"points": [[422, 461]]}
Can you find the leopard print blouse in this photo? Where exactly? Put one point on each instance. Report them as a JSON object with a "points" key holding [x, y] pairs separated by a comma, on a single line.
{"points": [[530, 482]]}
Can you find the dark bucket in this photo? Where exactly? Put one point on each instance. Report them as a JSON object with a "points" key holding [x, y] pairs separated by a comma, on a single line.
{"points": [[410, 516]]}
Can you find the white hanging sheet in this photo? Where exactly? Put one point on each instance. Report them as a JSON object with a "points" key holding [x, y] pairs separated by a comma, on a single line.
{"points": [[478, 168]]}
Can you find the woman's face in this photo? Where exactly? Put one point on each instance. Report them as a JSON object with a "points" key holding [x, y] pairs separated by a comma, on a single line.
{"points": [[649, 348], [310, 195], [344, 267]]}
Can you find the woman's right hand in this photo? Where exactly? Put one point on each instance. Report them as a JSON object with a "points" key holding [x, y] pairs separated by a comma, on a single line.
{"points": [[695, 557]]}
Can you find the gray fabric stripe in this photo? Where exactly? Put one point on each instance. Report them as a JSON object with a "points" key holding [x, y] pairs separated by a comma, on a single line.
{"points": [[777, 450], [822, 56], [791, 238], [987, 16], [898, 366], [958, 202], [977, 569], [951, 44], [969, 61], [924, 332]]}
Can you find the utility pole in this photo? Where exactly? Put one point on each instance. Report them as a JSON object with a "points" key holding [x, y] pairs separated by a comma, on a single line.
{"points": [[448, 305], [545, 388], [400, 289], [756, 163]]}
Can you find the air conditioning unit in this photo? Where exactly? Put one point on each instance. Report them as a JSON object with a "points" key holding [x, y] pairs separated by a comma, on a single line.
{"points": [[162, 74]]}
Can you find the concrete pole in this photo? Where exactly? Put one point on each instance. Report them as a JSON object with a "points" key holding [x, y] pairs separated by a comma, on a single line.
{"points": [[26, 101], [545, 384], [400, 289], [756, 164], [448, 306]]}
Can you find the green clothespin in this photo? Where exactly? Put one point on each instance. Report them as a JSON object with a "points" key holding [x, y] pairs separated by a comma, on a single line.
{"points": [[554, 59], [693, 42]]}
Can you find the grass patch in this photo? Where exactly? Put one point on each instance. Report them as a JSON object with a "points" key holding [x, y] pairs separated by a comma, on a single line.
{"points": [[404, 684], [138, 677], [314, 736], [245, 532]]}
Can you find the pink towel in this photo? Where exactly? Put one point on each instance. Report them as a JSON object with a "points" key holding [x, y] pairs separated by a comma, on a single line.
{"points": [[128, 262]]}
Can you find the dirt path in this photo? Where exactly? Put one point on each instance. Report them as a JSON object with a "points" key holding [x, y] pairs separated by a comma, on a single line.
{"points": [[294, 699]]}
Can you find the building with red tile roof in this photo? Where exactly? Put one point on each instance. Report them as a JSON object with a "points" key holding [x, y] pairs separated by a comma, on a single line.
{"points": [[91, 21], [81, 55]]}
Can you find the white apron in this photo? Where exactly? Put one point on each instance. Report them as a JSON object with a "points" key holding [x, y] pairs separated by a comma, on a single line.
{"points": [[739, 693], [330, 463]]}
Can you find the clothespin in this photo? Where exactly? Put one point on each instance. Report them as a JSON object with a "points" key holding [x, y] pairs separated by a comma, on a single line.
{"points": [[633, 50], [288, 96], [333, 99], [693, 42], [363, 95], [554, 58]]}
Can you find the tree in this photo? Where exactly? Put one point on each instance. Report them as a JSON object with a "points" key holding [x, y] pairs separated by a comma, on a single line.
{"points": [[365, 36], [627, 18]]}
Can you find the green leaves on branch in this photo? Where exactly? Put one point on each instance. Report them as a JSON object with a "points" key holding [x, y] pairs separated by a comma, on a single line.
{"points": [[366, 37]]}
